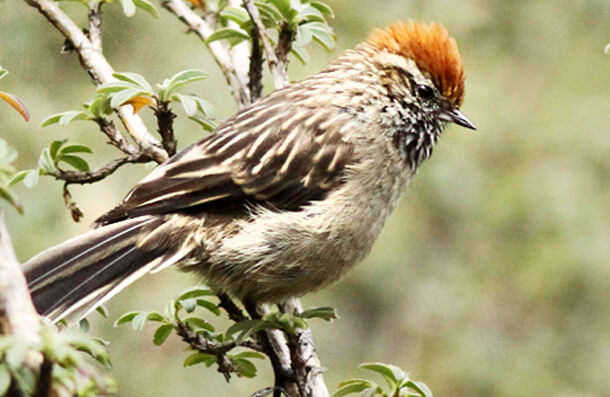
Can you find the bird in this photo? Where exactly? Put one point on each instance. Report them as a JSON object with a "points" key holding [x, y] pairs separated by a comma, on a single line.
{"points": [[283, 197]]}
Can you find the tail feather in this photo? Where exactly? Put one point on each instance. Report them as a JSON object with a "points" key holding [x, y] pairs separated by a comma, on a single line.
{"points": [[77, 276]]}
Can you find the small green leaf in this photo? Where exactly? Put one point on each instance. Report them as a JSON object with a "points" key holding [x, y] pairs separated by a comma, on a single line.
{"points": [[45, 162], [83, 324], [15, 355], [11, 198], [323, 8], [147, 6], [102, 310], [64, 118], [134, 78], [206, 124], [100, 106], [196, 322], [234, 36], [245, 368], [321, 33], [284, 8], [211, 306], [188, 103], [3, 72], [75, 148], [188, 304], [179, 80], [114, 86], [139, 320], [121, 97], [354, 386], [196, 292], [31, 178], [268, 11], [249, 355], [237, 15], [419, 387], [55, 146], [161, 333], [300, 52], [77, 162], [196, 358], [126, 318], [129, 8], [391, 373], [325, 313], [18, 177]]}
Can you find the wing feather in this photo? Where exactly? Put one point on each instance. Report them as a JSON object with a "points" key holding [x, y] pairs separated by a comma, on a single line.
{"points": [[266, 154]]}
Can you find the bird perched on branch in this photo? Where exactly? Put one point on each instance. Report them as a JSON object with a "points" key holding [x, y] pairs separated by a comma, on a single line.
{"points": [[283, 197]]}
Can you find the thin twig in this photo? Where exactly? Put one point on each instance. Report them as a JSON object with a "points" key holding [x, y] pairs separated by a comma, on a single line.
{"points": [[84, 177], [231, 308], [220, 51], [116, 138], [284, 44], [101, 72], [277, 68]]}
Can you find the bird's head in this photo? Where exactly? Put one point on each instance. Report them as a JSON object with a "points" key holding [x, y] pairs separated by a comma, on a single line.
{"points": [[423, 62]]}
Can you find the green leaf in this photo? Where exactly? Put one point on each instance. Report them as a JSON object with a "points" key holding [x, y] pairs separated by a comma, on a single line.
{"points": [[147, 6], [284, 8], [137, 80], [196, 358], [55, 146], [129, 8], [179, 80], [16, 178], [114, 86], [126, 318], [75, 148], [16, 354], [321, 33], [419, 387], [206, 124], [391, 373], [5, 377], [235, 36], [211, 306], [268, 11], [196, 322], [325, 313], [11, 198], [120, 98], [100, 106], [45, 162], [245, 368], [83, 324], [188, 103], [77, 162], [310, 13], [161, 333], [31, 178], [102, 310], [139, 320], [249, 355], [237, 15], [3, 72], [300, 52], [64, 118], [323, 8], [353, 386], [196, 292], [245, 328]]}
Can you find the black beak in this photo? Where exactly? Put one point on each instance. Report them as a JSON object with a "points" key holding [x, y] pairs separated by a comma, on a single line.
{"points": [[455, 116]]}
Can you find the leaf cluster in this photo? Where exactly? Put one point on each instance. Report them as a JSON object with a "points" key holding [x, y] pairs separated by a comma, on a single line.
{"points": [[306, 18], [64, 351], [398, 381]]}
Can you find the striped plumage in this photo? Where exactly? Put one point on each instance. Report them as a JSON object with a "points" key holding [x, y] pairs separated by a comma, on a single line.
{"points": [[284, 196]]}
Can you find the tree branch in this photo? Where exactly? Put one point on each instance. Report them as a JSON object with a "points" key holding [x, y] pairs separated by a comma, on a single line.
{"points": [[220, 51], [100, 71], [277, 67], [165, 127], [83, 177]]}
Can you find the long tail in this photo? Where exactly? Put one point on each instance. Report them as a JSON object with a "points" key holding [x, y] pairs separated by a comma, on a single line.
{"points": [[80, 274]]}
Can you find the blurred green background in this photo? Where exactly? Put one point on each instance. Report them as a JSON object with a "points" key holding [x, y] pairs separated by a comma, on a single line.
{"points": [[492, 278]]}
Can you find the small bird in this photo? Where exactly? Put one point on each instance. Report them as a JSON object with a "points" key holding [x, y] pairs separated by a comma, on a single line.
{"points": [[283, 197]]}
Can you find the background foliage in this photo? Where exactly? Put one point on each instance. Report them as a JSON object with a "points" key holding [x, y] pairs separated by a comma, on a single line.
{"points": [[492, 277]]}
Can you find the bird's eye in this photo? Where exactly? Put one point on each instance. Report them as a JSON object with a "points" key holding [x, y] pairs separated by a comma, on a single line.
{"points": [[425, 91]]}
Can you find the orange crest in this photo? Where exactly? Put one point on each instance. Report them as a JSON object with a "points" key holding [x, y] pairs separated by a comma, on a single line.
{"points": [[433, 51]]}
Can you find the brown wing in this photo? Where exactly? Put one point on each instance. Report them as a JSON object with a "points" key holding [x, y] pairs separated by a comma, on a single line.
{"points": [[264, 154]]}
